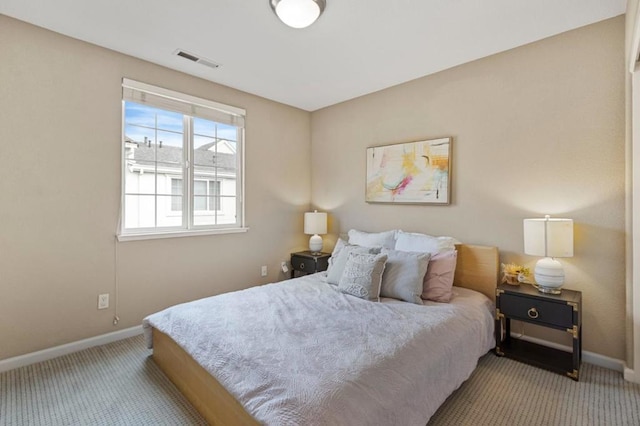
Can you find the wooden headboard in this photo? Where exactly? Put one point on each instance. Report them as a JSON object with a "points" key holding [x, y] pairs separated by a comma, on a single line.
{"points": [[477, 269]]}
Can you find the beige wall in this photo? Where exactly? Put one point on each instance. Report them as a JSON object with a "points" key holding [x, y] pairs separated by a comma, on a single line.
{"points": [[537, 130], [60, 126]]}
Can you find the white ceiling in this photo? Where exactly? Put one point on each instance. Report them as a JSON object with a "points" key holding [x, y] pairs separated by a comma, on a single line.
{"points": [[356, 47]]}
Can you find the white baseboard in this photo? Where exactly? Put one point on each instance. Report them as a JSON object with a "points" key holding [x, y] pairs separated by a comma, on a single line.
{"points": [[631, 375], [47, 354], [590, 357]]}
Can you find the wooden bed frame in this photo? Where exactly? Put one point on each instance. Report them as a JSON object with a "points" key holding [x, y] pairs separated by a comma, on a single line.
{"points": [[477, 269]]}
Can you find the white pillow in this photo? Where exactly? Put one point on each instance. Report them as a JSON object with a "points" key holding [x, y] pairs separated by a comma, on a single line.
{"points": [[362, 275], [386, 239], [337, 266], [340, 244], [408, 241], [404, 275]]}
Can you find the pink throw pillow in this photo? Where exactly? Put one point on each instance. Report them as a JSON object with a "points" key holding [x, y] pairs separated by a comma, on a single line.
{"points": [[439, 277]]}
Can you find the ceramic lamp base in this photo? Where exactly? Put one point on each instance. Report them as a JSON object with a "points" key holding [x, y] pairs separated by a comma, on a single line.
{"points": [[315, 243], [549, 276]]}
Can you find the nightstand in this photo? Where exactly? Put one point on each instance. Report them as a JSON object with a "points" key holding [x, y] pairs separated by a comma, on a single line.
{"points": [[561, 312], [307, 262]]}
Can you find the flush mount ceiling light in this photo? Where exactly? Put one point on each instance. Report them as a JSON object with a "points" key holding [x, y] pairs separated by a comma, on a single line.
{"points": [[298, 13]]}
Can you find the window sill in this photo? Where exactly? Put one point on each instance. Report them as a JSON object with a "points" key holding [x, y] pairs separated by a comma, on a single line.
{"points": [[178, 234]]}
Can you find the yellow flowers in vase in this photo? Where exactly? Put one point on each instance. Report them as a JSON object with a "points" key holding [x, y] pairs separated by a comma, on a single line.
{"points": [[514, 274]]}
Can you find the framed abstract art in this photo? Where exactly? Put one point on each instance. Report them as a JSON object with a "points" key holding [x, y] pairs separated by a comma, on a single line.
{"points": [[410, 173]]}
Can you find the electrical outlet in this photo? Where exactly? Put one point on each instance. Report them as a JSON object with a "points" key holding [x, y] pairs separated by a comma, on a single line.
{"points": [[284, 267], [103, 301], [264, 271]]}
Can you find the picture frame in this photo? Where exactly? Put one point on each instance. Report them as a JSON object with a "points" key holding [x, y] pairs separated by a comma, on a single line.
{"points": [[416, 172]]}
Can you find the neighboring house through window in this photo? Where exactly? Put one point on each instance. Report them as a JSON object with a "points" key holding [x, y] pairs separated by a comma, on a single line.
{"points": [[182, 163], [206, 194]]}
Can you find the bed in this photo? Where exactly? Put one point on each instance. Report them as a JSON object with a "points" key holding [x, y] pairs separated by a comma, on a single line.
{"points": [[311, 355]]}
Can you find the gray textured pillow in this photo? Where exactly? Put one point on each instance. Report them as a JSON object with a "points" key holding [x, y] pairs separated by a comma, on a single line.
{"points": [[404, 275], [362, 275], [337, 265]]}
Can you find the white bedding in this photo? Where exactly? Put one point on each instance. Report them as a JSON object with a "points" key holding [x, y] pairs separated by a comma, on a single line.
{"points": [[299, 352]]}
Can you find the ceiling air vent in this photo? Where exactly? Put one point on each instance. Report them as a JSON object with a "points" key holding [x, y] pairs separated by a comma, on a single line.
{"points": [[197, 59]]}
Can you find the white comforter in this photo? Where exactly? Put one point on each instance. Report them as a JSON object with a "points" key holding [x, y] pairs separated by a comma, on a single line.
{"points": [[299, 352]]}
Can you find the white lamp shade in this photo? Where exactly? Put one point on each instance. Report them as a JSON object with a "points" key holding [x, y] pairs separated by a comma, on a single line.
{"points": [[548, 237], [315, 223], [298, 13]]}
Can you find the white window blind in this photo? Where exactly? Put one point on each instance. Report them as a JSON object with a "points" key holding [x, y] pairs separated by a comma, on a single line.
{"points": [[158, 97]]}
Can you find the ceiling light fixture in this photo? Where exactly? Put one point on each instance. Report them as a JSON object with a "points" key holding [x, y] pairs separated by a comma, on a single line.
{"points": [[298, 13]]}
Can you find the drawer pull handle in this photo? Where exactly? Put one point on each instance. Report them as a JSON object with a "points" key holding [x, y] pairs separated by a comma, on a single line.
{"points": [[533, 313], [302, 265]]}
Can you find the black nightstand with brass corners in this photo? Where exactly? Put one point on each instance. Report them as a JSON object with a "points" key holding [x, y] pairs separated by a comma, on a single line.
{"points": [[307, 262], [561, 312]]}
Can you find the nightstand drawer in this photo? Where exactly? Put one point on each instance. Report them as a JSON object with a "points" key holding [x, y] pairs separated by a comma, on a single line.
{"points": [[303, 264], [537, 310]]}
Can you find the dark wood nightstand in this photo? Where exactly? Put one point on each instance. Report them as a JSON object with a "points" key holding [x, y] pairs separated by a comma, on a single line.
{"points": [[307, 262], [561, 312]]}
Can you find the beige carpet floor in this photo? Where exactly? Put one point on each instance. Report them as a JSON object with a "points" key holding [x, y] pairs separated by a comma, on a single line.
{"points": [[118, 384], [503, 392]]}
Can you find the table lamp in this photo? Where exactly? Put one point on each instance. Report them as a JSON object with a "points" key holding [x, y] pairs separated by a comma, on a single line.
{"points": [[315, 223], [551, 238]]}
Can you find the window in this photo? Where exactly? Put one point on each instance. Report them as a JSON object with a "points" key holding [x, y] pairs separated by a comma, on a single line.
{"points": [[176, 194], [182, 163], [206, 194]]}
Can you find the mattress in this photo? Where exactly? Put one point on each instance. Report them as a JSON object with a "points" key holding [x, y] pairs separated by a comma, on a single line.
{"points": [[300, 352]]}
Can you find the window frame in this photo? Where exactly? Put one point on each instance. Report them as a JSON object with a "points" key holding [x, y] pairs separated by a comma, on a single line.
{"points": [[188, 227]]}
